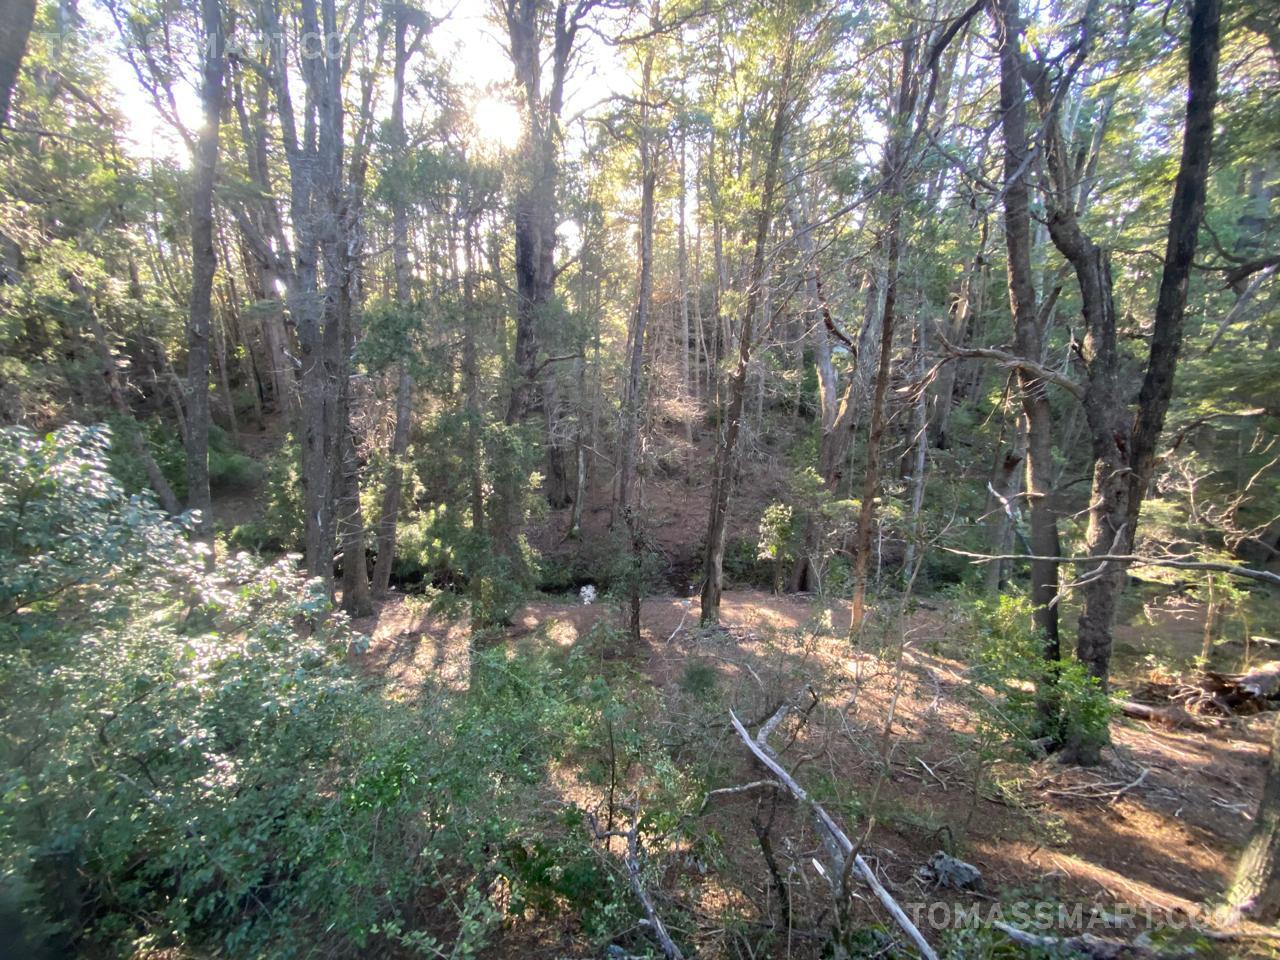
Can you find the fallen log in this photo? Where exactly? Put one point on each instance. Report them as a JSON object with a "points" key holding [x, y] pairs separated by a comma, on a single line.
{"points": [[1172, 717], [834, 839], [1222, 694], [1086, 943]]}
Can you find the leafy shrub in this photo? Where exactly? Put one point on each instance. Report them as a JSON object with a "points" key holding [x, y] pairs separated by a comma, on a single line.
{"points": [[186, 770], [165, 445], [228, 468], [743, 566], [1034, 698]]}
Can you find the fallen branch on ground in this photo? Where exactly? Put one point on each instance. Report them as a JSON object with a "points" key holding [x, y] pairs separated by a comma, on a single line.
{"points": [[632, 860], [834, 839], [1172, 717], [1087, 944]]}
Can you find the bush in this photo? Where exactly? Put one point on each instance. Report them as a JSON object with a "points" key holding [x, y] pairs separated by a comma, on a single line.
{"points": [[184, 769], [1034, 698], [228, 468]]}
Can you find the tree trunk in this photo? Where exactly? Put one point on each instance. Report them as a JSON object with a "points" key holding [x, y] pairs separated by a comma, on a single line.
{"points": [[919, 458], [203, 264], [389, 513], [1255, 892], [16, 18], [713, 583], [894, 162], [1124, 450], [633, 386], [1027, 341]]}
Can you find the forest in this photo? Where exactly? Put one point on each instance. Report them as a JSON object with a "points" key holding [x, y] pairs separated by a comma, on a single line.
{"points": [[639, 478]]}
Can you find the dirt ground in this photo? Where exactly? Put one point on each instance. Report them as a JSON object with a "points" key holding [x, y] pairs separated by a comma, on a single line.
{"points": [[1155, 829]]}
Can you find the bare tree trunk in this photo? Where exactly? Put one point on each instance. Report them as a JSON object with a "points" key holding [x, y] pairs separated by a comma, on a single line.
{"points": [[920, 457], [682, 266], [894, 163], [203, 264], [16, 18], [1006, 481], [393, 481], [1027, 342], [713, 584], [634, 392], [1124, 449], [633, 387], [1255, 891]]}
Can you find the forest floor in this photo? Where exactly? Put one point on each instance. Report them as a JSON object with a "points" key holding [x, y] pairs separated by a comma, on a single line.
{"points": [[888, 744], [1155, 829]]}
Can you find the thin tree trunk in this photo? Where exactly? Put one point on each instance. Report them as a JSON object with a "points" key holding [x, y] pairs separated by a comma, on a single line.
{"points": [[713, 583], [389, 513], [16, 19], [895, 161], [919, 459]]}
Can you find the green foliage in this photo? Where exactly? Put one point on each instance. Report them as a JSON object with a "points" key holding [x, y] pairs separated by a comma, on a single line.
{"points": [[166, 449], [281, 527], [743, 566], [777, 538], [229, 469], [1030, 697], [182, 767]]}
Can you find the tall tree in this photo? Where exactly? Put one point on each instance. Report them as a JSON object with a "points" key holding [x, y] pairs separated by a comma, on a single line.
{"points": [[402, 270], [204, 263], [1033, 390], [1124, 440], [536, 209], [724, 469]]}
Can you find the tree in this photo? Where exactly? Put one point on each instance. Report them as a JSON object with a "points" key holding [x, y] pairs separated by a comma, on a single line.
{"points": [[204, 263], [723, 471], [16, 18], [1124, 442], [1027, 322], [1255, 890]]}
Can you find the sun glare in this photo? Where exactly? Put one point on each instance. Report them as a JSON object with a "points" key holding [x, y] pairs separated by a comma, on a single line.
{"points": [[496, 122]]}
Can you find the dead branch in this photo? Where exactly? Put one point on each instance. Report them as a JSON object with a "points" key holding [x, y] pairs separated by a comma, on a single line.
{"points": [[632, 860], [1247, 573], [1086, 943], [1012, 362], [1172, 717], [834, 839]]}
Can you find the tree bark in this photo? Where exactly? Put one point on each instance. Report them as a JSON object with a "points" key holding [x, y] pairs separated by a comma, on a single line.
{"points": [[16, 19], [1255, 891], [1124, 446], [895, 186], [393, 481], [1027, 341], [203, 264]]}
